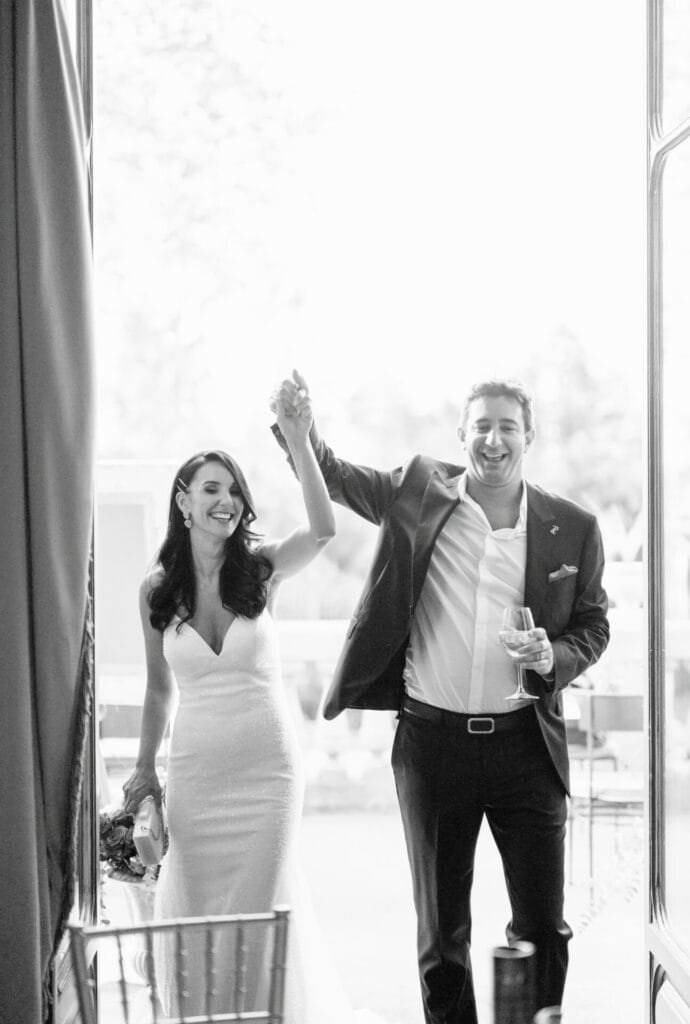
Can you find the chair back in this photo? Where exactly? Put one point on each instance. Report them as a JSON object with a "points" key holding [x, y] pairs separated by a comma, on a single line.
{"points": [[126, 957], [617, 712], [607, 712], [610, 712]]}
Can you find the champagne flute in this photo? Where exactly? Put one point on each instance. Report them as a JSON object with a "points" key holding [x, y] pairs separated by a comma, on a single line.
{"points": [[514, 632]]}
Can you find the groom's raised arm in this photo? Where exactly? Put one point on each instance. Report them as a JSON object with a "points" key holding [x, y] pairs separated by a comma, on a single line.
{"points": [[368, 492]]}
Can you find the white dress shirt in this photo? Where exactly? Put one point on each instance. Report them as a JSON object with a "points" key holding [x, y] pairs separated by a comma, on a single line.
{"points": [[455, 659]]}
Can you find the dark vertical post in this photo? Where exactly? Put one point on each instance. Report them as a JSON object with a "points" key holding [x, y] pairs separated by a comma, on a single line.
{"points": [[514, 984]]}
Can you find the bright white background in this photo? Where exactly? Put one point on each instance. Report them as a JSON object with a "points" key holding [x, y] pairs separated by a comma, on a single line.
{"points": [[419, 194]]}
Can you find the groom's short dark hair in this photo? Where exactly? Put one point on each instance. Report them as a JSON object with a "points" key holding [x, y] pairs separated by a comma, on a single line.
{"points": [[493, 389]]}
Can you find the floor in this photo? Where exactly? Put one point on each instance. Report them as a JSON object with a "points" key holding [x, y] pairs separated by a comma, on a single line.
{"points": [[366, 912], [356, 867]]}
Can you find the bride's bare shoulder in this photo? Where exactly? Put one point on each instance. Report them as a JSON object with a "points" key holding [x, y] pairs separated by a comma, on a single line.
{"points": [[152, 580]]}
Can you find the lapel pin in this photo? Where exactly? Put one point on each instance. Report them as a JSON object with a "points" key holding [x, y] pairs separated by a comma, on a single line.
{"points": [[554, 530]]}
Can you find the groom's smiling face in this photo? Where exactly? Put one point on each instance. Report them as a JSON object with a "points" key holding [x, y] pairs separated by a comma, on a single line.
{"points": [[495, 440]]}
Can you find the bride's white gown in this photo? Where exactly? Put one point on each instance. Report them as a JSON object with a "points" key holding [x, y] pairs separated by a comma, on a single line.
{"points": [[234, 800]]}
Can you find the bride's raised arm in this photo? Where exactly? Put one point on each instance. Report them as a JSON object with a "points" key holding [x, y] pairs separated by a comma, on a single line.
{"points": [[292, 408]]}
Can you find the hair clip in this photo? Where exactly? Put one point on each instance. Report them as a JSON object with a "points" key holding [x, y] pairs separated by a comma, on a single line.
{"points": [[554, 530]]}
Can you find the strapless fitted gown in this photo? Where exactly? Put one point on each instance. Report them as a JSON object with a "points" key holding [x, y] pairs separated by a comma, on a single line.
{"points": [[234, 799]]}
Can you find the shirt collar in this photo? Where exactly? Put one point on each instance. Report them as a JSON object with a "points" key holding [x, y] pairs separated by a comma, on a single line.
{"points": [[521, 525]]}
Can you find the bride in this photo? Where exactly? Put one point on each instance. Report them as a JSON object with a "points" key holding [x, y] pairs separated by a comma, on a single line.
{"points": [[234, 781]]}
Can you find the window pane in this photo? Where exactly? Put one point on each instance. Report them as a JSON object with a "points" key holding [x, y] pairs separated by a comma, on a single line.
{"points": [[676, 62], [70, 11], [417, 189], [670, 1008], [676, 311]]}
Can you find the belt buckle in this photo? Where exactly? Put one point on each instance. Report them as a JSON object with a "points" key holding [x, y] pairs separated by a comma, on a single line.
{"points": [[481, 719]]}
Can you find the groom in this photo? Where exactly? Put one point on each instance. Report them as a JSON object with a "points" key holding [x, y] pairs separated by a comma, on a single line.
{"points": [[456, 546]]}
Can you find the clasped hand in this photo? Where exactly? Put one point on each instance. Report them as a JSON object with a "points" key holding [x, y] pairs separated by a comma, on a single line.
{"points": [[536, 653], [141, 783], [291, 405]]}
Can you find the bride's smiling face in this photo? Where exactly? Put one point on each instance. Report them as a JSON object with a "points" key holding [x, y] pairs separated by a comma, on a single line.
{"points": [[213, 501]]}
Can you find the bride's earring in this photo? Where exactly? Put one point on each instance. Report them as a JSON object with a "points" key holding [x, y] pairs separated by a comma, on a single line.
{"points": [[187, 520]]}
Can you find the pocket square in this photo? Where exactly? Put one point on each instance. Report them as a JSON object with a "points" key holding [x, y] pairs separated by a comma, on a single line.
{"points": [[562, 573]]}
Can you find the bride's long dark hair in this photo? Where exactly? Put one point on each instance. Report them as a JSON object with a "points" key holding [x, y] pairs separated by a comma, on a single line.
{"points": [[244, 574]]}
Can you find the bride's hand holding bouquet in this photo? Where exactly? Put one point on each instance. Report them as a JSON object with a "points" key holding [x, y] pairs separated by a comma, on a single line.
{"points": [[142, 782]]}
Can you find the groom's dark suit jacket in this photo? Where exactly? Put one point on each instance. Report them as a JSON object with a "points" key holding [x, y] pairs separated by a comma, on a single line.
{"points": [[411, 505]]}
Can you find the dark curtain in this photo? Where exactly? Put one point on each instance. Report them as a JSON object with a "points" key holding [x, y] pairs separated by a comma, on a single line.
{"points": [[46, 437]]}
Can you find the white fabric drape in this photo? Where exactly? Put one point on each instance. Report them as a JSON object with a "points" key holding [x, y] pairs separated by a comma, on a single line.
{"points": [[45, 487]]}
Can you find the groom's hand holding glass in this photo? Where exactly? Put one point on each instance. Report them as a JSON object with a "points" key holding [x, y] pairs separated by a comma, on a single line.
{"points": [[528, 646], [537, 653]]}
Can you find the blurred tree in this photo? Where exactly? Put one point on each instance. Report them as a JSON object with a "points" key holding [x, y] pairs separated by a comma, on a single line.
{"points": [[589, 441], [196, 130], [199, 125]]}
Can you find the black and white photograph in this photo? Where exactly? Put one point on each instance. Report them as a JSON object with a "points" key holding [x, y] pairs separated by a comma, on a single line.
{"points": [[344, 517]]}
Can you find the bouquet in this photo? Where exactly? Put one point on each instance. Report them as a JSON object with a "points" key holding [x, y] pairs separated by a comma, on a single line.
{"points": [[117, 846], [117, 849]]}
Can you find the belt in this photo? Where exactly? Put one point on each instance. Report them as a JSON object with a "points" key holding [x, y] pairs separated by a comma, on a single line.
{"points": [[475, 725]]}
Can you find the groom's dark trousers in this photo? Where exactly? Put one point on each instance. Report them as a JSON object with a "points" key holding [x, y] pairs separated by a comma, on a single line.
{"points": [[447, 779]]}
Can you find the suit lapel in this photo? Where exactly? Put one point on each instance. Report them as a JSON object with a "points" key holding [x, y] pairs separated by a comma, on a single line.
{"points": [[543, 536], [440, 498], [543, 531]]}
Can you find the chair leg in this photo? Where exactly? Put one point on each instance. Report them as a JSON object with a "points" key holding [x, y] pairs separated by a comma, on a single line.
{"points": [[590, 847]]}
